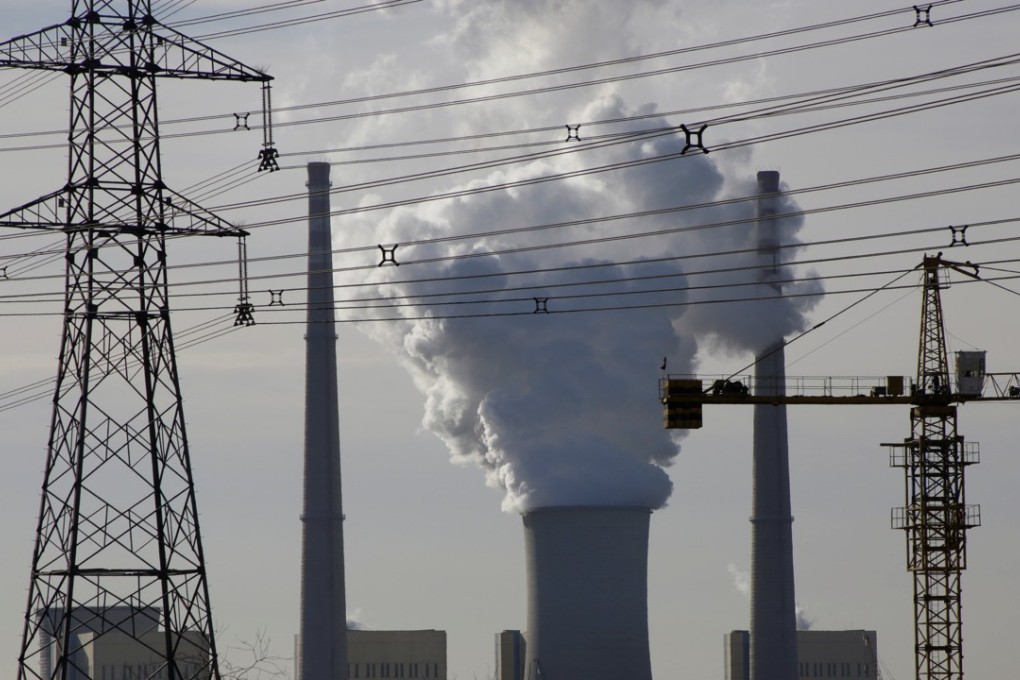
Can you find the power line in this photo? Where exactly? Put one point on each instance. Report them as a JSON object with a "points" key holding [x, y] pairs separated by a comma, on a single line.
{"points": [[603, 309], [474, 236], [559, 141], [250, 11], [593, 82], [803, 245], [625, 280], [603, 64], [315, 18], [460, 193], [542, 74]]}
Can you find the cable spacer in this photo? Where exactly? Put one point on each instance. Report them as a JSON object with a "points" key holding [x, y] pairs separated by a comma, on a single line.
{"points": [[694, 139], [573, 133], [241, 121], [923, 16], [959, 235], [389, 255], [276, 298], [541, 305]]}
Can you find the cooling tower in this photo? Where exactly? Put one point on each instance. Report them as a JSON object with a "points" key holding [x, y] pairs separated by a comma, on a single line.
{"points": [[323, 647], [773, 608], [587, 593]]}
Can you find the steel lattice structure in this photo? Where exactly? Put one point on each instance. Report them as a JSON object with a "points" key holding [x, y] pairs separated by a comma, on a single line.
{"points": [[936, 516], [118, 554]]}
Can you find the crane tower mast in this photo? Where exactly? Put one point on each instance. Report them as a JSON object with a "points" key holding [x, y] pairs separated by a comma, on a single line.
{"points": [[936, 516]]}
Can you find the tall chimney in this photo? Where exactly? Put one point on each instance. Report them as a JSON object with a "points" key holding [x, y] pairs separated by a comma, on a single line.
{"points": [[773, 608], [587, 593], [323, 646]]}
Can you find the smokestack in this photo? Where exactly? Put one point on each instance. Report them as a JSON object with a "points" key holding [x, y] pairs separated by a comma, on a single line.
{"points": [[323, 646], [773, 608], [587, 593]]}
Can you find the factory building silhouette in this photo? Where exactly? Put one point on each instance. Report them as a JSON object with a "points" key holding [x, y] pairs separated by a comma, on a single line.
{"points": [[821, 654]]}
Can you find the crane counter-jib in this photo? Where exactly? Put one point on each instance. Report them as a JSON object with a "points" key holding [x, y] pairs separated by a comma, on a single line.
{"points": [[683, 397]]}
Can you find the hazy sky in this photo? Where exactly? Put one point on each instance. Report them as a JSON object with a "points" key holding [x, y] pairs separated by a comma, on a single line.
{"points": [[538, 409]]}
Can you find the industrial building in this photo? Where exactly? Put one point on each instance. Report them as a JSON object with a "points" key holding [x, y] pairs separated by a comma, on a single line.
{"points": [[120, 643], [391, 654], [821, 654], [511, 655]]}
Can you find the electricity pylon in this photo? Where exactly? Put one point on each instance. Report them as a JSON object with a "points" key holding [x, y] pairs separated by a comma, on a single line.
{"points": [[118, 554]]}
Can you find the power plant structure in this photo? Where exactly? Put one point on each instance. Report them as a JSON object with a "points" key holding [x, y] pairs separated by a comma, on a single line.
{"points": [[821, 654], [323, 640], [936, 517], [773, 634], [587, 581], [118, 537]]}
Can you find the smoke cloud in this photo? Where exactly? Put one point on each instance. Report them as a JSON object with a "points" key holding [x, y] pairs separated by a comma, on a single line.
{"points": [[560, 408], [741, 579], [804, 622], [355, 620]]}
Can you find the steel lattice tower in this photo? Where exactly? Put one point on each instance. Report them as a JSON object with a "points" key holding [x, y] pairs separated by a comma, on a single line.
{"points": [[936, 517], [118, 550]]}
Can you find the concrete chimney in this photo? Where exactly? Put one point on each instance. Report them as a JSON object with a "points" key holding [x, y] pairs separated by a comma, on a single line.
{"points": [[587, 593], [773, 607], [323, 645]]}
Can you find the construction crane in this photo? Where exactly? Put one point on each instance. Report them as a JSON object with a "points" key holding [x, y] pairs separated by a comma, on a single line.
{"points": [[935, 517]]}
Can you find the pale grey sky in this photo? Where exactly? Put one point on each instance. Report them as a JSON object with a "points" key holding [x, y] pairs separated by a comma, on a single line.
{"points": [[428, 544]]}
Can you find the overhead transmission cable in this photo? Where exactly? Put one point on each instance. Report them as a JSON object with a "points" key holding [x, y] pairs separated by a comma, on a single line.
{"points": [[601, 309], [287, 5], [476, 236], [591, 170], [278, 110], [803, 245], [599, 64], [628, 136], [392, 302], [387, 301], [314, 18], [591, 266], [587, 83]]}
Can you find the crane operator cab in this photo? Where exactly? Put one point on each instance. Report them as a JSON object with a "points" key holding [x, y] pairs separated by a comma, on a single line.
{"points": [[970, 373]]}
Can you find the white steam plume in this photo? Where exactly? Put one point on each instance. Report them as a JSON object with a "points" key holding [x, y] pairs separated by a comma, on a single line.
{"points": [[804, 622], [356, 620], [560, 408], [741, 579]]}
